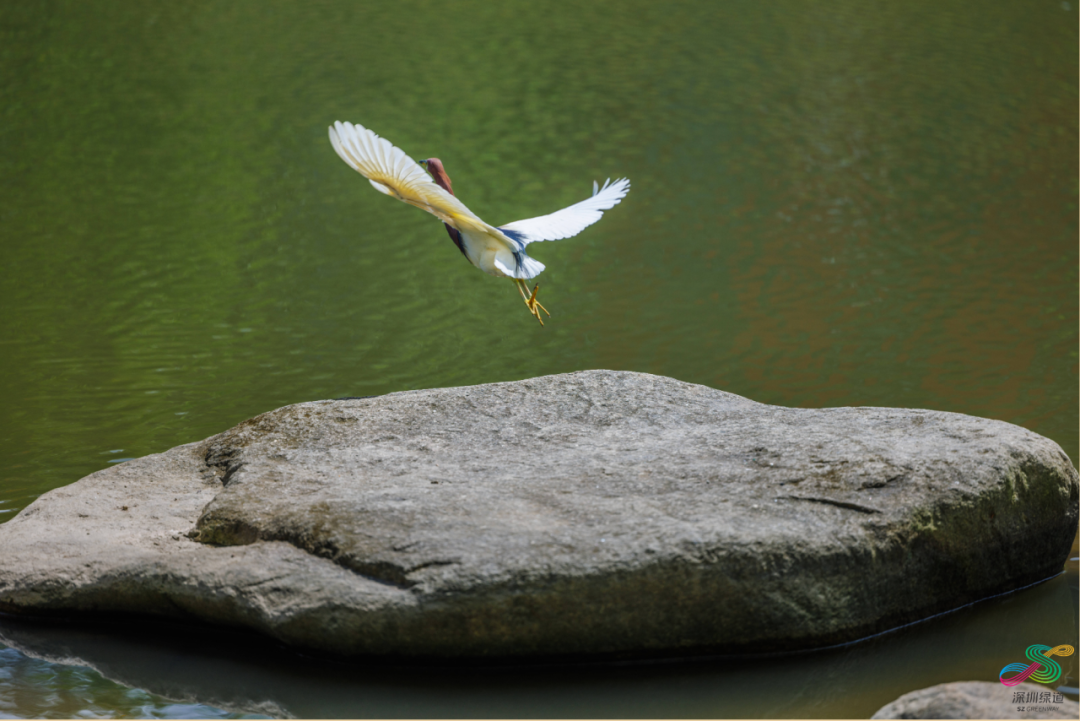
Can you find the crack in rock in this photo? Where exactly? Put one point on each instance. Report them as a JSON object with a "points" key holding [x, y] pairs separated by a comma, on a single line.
{"points": [[833, 502]]}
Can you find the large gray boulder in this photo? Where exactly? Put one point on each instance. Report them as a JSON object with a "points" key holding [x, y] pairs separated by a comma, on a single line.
{"points": [[588, 513], [981, 699]]}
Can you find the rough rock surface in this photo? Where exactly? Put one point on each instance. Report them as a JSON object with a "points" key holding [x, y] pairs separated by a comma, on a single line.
{"points": [[595, 512], [978, 699]]}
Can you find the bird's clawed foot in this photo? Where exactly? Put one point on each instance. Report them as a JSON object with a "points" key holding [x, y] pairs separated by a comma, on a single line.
{"points": [[531, 301], [533, 304]]}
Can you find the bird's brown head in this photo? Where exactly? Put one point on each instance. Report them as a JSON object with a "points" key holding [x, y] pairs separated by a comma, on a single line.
{"points": [[438, 173]]}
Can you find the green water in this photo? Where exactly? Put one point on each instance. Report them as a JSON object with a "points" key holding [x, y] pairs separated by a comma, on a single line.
{"points": [[843, 203]]}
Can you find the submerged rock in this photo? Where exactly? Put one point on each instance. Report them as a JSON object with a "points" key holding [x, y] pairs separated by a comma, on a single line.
{"points": [[597, 512], [981, 699]]}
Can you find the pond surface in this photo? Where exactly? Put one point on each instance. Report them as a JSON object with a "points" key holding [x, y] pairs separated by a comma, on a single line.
{"points": [[838, 204]]}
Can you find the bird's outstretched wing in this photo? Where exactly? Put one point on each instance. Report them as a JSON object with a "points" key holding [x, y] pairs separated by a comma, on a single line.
{"points": [[393, 172], [568, 222]]}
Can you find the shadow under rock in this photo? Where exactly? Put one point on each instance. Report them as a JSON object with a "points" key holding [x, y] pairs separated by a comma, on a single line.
{"points": [[247, 673]]}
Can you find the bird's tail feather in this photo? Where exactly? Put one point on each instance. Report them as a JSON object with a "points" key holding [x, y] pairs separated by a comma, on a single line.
{"points": [[527, 267], [523, 267]]}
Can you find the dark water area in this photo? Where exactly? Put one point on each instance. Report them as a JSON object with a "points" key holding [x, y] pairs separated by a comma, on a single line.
{"points": [[133, 668], [833, 204]]}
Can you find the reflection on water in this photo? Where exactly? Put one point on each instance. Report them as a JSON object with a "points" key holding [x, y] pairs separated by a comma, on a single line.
{"points": [[31, 688], [851, 204]]}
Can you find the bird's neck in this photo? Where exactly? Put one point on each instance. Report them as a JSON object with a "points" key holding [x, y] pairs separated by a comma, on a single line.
{"points": [[441, 179]]}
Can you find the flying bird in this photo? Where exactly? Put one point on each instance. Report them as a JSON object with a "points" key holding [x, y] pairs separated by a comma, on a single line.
{"points": [[498, 251]]}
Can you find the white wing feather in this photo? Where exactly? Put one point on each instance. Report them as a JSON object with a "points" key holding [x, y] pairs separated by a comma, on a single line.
{"points": [[568, 222]]}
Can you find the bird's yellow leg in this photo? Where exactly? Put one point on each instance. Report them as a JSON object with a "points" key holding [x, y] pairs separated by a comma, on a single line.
{"points": [[533, 303], [530, 299]]}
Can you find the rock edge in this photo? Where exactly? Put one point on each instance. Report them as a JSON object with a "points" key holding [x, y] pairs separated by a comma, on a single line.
{"points": [[977, 700]]}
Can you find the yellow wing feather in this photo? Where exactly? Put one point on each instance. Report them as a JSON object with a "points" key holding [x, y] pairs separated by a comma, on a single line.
{"points": [[393, 172]]}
